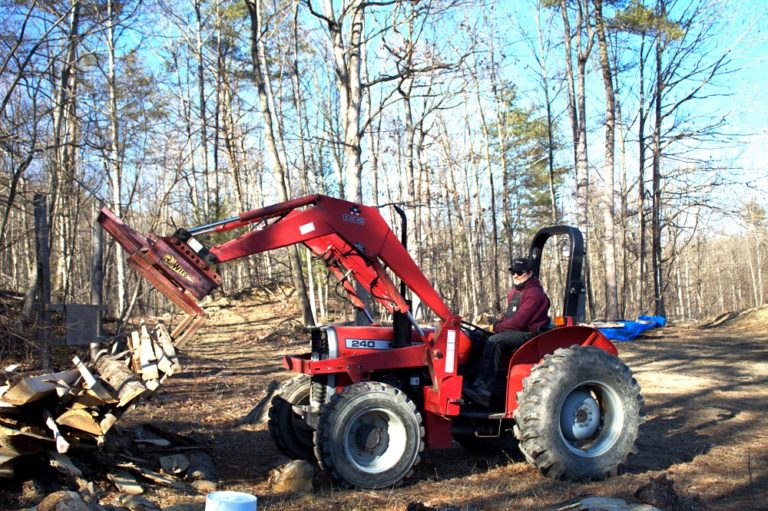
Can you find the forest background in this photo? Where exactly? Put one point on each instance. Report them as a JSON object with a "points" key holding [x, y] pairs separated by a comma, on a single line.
{"points": [[641, 122]]}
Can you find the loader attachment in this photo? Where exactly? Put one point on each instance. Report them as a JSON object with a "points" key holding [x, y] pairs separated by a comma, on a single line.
{"points": [[170, 265]]}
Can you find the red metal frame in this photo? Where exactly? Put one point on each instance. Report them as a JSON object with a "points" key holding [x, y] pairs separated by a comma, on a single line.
{"points": [[346, 234], [532, 352]]}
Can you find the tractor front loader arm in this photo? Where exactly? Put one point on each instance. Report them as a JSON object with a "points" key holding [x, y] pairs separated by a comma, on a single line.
{"points": [[349, 237], [353, 240]]}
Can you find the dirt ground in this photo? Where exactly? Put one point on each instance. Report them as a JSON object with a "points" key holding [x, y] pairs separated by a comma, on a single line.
{"points": [[706, 427]]}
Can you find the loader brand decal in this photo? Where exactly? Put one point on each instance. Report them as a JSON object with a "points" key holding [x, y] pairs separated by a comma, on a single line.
{"points": [[354, 216], [368, 344], [450, 351], [304, 229], [174, 265]]}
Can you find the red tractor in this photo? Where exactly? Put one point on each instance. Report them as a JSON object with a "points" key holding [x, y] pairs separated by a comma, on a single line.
{"points": [[367, 400]]}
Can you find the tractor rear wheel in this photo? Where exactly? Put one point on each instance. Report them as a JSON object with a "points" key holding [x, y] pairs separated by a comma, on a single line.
{"points": [[369, 435], [290, 433], [578, 414]]}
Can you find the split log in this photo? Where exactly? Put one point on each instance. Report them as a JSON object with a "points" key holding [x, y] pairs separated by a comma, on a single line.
{"points": [[63, 464], [147, 354], [8, 458], [62, 445], [121, 379], [92, 384], [167, 344], [125, 483], [134, 343], [107, 422], [34, 388], [164, 363], [81, 420]]}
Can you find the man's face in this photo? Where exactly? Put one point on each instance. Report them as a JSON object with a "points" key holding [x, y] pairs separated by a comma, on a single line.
{"points": [[520, 278]]}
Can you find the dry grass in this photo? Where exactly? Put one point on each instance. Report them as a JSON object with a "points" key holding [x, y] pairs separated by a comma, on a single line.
{"points": [[707, 427]]}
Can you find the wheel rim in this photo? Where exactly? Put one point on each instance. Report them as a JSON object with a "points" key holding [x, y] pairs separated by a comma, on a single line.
{"points": [[374, 440], [591, 419]]}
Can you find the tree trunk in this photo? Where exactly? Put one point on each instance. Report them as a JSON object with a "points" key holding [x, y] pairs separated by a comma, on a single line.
{"points": [[656, 249], [609, 240], [261, 76]]}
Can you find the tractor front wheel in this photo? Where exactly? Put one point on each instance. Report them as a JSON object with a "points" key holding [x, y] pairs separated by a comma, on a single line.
{"points": [[290, 433], [369, 435], [578, 414]]}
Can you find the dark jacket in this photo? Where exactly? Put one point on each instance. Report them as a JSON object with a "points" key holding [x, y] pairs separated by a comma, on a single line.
{"points": [[527, 309]]}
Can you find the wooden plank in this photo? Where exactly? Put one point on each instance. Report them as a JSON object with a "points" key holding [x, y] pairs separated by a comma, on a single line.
{"points": [[147, 355], [81, 420], [34, 388], [155, 477]]}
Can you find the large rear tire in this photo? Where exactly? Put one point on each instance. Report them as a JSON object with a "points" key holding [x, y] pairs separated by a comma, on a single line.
{"points": [[369, 435], [292, 436], [578, 414]]}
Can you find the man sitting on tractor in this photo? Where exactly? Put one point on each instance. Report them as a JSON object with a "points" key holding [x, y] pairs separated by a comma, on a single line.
{"points": [[527, 314]]}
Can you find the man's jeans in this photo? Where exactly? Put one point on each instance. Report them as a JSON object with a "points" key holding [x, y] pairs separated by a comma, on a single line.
{"points": [[495, 347]]}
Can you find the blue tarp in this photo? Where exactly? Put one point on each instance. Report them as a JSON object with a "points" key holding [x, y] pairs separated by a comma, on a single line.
{"points": [[632, 329]]}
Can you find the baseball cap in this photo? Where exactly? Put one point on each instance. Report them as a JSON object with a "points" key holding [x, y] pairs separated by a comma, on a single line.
{"points": [[520, 265]]}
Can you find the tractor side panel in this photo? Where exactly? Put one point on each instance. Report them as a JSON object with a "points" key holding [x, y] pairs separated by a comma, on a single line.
{"points": [[533, 351], [359, 340]]}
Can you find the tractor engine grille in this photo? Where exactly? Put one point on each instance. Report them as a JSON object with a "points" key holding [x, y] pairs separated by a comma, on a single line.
{"points": [[318, 392]]}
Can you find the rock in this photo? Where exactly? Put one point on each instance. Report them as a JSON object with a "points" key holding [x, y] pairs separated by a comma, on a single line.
{"points": [[138, 503], [32, 492], [294, 477], [203, 486], [419, 506], [201, 466], [600, 504], [63, 501], [659, 492], [174, 463]]}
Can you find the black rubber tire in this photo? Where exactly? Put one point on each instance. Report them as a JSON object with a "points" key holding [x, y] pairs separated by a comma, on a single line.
{"points": [[291, 435], [615, 411], [507, 445], [369, 412]]}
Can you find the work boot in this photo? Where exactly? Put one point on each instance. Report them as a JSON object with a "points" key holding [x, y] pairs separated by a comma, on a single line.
{"points": [[479, 392]]}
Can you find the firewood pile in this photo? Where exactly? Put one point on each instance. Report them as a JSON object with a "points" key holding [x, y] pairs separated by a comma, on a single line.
{"points": [[64, 417]]}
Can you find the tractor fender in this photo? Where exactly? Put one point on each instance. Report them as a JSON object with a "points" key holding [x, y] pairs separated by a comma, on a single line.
{"points": [[533, 351]]}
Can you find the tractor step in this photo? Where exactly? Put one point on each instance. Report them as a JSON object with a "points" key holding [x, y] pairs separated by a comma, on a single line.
{"points": [[482, 414]]}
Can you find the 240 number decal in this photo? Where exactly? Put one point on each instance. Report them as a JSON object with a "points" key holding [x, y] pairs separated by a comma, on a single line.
{"points": [[368, 344]]}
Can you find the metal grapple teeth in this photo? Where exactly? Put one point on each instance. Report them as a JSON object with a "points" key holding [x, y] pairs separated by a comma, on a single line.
{"points": [[171, 266]]}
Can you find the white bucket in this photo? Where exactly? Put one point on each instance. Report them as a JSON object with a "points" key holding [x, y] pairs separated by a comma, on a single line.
{"points": [[230, 501]]}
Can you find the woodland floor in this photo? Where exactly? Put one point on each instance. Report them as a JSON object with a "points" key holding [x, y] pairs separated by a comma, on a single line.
{"points": [[706, 429]]}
